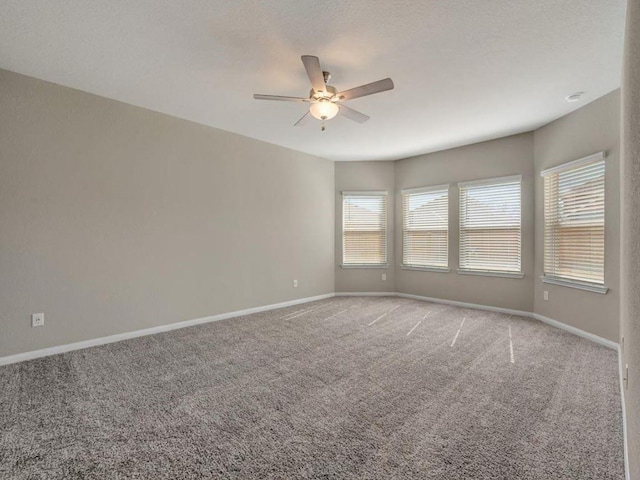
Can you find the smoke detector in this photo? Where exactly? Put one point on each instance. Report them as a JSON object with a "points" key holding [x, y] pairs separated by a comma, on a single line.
{"points": [[574, 97]]}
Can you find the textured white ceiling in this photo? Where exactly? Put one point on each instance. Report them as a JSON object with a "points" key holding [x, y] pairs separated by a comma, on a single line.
{"points": [[464, 70]]}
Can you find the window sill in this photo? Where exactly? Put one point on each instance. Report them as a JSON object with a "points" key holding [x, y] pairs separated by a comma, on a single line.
{"points": [[589, 287], [489, 273], [363, 266], [426, 269]]}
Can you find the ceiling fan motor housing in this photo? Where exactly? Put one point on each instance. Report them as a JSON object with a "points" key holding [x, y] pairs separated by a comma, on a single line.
{"points": [[328, 93]]}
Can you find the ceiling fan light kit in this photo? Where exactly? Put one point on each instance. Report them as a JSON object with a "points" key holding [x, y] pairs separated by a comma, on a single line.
{"points": [[325, 100], [324, 109]]}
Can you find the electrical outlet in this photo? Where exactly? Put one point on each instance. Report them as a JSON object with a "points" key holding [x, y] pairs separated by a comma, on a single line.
{"points": [[625, 379], [37, 320], [295, 284], [384, 277], [546, 295]]}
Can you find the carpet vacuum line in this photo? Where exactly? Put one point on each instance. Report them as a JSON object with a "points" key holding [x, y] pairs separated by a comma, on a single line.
{"points": [[458, 332], [416, 326], [383, 315], [511, 345], [302, 312], [336, 314]]}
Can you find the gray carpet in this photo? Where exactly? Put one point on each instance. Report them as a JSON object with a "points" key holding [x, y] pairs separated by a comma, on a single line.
{"points": [[331, 389]]}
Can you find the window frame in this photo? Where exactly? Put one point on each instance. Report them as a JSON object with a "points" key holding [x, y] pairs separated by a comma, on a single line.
{"points": [[371, 193], [406, 193], [489, 272], [595, 287]]}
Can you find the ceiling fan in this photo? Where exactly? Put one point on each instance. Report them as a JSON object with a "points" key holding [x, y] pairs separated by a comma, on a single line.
{"points": [[325, 102]]}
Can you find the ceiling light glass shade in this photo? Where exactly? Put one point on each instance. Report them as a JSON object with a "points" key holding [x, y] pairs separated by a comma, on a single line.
{"points": [[324, 110]]}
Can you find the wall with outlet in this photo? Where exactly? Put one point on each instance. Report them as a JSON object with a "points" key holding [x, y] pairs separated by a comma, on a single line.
{"points": [[630, 249], [496, 158], [364, 176], [590, 129], [115, 218], [594, 127]]}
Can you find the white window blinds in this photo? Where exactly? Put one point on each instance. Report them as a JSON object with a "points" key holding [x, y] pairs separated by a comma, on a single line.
{"points": [[364, 228], [574, 220], [490, 225], [425, 227]]}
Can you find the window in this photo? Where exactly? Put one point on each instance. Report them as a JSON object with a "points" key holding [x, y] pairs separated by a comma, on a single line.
{"points": [[490, 227], [364, 229], [425, 227], [574, 223]]}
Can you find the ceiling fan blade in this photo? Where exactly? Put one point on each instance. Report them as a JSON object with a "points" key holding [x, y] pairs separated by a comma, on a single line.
{"points": [[368, 89], [352, 114], [304, 120], [314, 72], [259, 96]]}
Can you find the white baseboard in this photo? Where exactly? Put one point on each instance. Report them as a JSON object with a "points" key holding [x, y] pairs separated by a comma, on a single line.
{"points": [[366, 294], [576, 331], [490, 308], [563, 326], [475, 306], [624, 416], [20, 357], [45, 352]]}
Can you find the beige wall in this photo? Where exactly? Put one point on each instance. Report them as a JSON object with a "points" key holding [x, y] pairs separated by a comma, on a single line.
{"points": [[593, 128], [364, 176], [630, 278], [497, 158], [114, 218]]}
